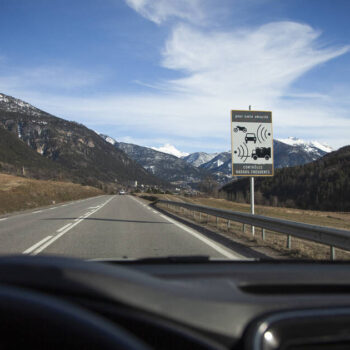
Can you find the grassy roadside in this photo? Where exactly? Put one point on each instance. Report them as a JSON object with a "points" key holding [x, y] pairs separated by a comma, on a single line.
{"points": [[18, 193], [300, 248]]}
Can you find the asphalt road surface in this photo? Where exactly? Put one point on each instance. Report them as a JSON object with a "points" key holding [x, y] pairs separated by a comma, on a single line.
{"points": [[103, 227]]}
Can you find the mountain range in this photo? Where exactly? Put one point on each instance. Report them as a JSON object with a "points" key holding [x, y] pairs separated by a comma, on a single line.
{"points": [[163, 165], [73, 151], [44, 146]]}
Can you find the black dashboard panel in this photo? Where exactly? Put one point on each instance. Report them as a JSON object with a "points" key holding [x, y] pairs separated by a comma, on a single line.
{"points": [[213, 304]]}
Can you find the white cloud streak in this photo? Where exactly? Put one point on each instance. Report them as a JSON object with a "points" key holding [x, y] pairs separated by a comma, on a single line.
{"points": [[159, 11], [222, 70]]}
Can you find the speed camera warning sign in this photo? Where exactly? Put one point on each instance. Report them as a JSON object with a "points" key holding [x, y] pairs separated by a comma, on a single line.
{"points": [[252, 143]]}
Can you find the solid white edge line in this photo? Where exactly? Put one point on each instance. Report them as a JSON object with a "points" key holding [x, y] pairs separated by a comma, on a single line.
{"points": [[3, 219], [67, 229], [64, 227], [36, 245], [38, 211], [209, 242]]}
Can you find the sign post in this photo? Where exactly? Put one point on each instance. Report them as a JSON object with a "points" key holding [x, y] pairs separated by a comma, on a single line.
{"points": [[252, 146]]}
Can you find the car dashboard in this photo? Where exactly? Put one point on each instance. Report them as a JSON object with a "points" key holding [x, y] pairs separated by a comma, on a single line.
{"points": [[204, 305]]}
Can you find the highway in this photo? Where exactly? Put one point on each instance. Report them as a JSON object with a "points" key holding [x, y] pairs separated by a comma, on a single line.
{"points": [[104, 227]]}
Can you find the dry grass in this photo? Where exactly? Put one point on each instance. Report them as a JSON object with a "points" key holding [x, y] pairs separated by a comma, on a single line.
{"points": [[17, 193], [300, 248]]}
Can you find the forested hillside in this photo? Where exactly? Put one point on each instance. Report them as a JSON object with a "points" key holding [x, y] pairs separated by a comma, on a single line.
{"points": [[320, 185]]}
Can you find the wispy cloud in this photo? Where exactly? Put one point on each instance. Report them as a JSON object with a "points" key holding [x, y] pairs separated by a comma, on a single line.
{"points": [[41, 78], [220, 70], [159, 11]]}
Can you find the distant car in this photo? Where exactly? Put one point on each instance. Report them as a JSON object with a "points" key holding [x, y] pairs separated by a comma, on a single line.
{"points": [[122, 192], [250, 137], [262, 152]]}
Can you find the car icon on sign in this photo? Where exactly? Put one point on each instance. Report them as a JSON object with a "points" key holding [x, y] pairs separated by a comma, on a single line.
{"points": [[250, 137]]}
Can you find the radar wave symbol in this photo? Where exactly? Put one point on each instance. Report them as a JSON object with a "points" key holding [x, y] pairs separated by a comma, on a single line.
{"points": [[243, 152], [262, 134]]}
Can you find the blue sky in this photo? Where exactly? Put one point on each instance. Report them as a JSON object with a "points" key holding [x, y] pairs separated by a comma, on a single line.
{"points": [[169, 71]]}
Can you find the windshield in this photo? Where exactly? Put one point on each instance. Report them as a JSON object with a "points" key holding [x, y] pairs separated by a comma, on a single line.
{"points": [[193, 129]]}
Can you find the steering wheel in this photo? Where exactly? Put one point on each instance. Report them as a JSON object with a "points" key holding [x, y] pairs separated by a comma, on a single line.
{"points": [[33, 320]]}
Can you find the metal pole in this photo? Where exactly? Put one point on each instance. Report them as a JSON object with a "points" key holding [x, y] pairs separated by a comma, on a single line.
{"points": [[263, 234], [252, 201], [252, 194], [289, 242], [332, 253]]}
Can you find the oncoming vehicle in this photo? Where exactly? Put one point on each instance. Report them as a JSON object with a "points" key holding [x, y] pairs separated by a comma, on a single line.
{"points": [[250, 137]]}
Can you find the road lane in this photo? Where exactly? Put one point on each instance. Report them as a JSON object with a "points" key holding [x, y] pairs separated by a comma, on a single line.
{"points": [[127, 228], [19, 232], [104, 227]]}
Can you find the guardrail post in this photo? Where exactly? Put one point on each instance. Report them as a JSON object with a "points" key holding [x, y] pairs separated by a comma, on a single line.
{"points": [[228, 225], [200, 217], [244, 228], [217, 222], [332, 253], [289, 241], [263, 234]]}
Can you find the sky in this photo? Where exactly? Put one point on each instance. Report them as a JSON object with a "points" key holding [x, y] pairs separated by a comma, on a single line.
{"points": [[155, 72]]}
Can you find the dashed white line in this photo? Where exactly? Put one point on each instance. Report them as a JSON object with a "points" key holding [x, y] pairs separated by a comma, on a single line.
{"points": [[64, 227], [38, 211], [3, 219], [29, 250], [53, 239]]}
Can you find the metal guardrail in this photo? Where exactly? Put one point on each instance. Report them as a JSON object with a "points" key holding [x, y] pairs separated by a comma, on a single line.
{"points": [[320, 234]]}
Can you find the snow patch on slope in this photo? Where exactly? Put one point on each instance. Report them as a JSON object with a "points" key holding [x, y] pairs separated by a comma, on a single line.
{"points": [[309, 146], [170, 149]]}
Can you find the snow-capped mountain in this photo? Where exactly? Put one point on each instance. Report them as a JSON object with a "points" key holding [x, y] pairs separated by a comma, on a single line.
{"points": [[309, 146], [11, 104], [199, 158], [170, 149], [67, 150], [161, 164], [287, 152]]}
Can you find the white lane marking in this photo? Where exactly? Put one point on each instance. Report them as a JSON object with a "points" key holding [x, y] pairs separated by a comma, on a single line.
{"points": [[53, 208], [38, 211], [45, 245], [3, 219], [64, 227], [29, 250], [207, 241], [155, 211]]}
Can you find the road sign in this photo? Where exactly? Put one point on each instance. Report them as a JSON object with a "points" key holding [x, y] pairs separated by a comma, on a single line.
{"points": [[252, 143]]}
